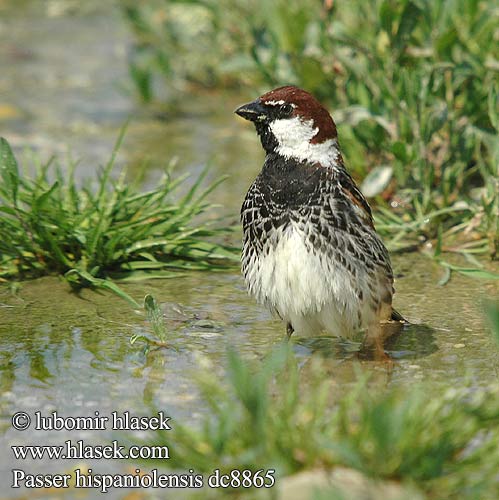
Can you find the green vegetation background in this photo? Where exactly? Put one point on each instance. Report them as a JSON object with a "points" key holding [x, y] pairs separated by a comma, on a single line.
{"points": [[413, 85]]}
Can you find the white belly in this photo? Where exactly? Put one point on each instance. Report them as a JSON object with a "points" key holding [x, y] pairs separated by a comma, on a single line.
{"points": [[307, 288]]}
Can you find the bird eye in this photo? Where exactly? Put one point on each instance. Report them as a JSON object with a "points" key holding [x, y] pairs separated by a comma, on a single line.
{"points": [[286, 109]]}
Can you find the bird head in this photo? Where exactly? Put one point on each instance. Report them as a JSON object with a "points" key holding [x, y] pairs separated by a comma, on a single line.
{"points": [[294, 124]]}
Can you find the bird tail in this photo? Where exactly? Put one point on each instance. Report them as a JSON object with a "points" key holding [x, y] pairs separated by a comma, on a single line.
{"points": [[396, 316]]}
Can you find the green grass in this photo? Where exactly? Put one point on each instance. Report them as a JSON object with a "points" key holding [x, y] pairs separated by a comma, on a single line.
{"points": [[267, 415], [413, 85], [492, 310], [105, 230]]}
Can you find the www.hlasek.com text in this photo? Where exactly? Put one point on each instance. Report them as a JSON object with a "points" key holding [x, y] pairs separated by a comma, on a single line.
{"points": [[78, 450]]}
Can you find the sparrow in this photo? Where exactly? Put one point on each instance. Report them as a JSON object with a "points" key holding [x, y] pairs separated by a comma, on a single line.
{"points": [[311, 253]]}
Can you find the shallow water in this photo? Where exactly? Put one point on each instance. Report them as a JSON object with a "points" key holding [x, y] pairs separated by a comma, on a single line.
{"points": [[70, 353], [62, 70]]}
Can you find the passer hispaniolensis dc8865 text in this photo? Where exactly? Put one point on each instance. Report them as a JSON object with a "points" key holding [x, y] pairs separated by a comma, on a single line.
{"points": [[311, 253]]}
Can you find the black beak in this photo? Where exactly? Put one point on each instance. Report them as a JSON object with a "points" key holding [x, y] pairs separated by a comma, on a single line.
{"points": [[253, 111]]}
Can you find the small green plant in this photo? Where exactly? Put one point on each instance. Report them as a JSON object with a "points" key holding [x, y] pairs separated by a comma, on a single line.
{"points": [[155, 318], [92, 234], [492, 310], [268, 416]]}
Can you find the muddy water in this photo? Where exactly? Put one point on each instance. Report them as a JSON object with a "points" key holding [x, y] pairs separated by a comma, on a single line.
{"points": [[61, 86]]}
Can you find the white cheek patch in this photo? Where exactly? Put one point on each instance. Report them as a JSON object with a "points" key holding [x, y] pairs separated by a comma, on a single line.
{"points": [[292, 131], [293, 137]]}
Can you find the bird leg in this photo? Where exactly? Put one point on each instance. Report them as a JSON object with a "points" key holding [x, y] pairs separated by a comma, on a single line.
{"points": [[374, 341], [289, 330]]}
